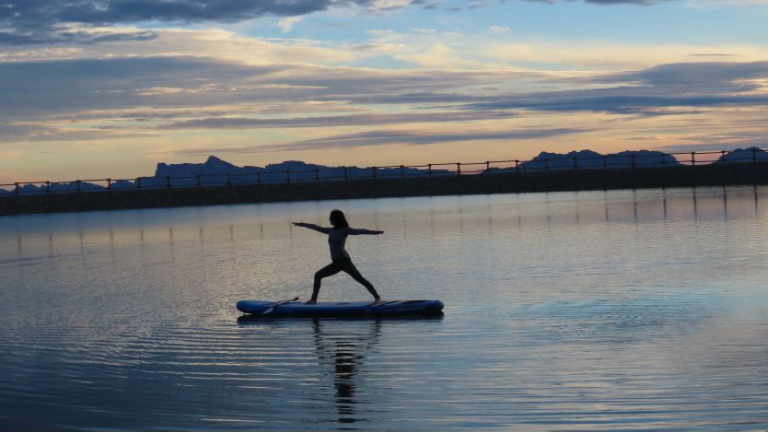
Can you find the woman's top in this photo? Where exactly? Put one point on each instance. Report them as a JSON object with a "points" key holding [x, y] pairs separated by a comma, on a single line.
{"points": [[337, 239]]}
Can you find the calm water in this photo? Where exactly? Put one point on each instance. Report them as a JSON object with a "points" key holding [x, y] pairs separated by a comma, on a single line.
{"points": [[610, 310]]}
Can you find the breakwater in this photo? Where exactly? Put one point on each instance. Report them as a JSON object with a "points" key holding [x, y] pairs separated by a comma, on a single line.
{"points": [[506, 182]]}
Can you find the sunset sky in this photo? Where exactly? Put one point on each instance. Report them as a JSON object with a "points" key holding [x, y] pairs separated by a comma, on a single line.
{"points": [[109, 88]]}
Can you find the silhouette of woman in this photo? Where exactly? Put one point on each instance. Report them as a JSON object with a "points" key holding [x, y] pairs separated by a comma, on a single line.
{"points": [[340, 260]]}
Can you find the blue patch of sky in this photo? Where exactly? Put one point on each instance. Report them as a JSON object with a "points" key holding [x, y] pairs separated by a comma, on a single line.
{"points": [[664, 23], [670, 23]]}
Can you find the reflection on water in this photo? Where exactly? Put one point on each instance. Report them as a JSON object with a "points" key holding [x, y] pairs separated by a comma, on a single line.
{"points": [[345, 354], [583, 207], [588, 310]]}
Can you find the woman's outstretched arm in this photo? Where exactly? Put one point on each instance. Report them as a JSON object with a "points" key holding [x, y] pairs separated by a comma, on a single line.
{"points": [[358, 231], [312, 227]]}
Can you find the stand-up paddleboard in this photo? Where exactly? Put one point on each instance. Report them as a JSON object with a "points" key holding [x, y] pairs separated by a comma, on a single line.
{"points": [[294, 308]]}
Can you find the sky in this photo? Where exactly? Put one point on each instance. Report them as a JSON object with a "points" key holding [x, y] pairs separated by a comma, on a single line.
{"points": [[93, 89]]}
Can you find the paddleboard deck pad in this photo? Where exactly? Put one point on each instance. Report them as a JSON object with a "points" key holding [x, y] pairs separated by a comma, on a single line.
{"points": [[288, 309]]}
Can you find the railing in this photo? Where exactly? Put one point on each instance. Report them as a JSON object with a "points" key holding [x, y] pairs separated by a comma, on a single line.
{"points": [[560, 163]]}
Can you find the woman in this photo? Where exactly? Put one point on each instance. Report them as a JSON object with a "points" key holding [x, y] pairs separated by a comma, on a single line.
{"points": [[337, 237]]}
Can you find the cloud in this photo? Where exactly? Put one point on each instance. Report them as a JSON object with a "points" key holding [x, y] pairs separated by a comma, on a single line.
{"points": [[152, 97], [499, 30], [41, 21], [623, 100], [337, 120], [45, 88], [393, 137], [49, 88], [204, 93], [42, 133], [648, 90], [602, 55], [286, 24], [45, 21], [71, 34], [712, 55], [221, 44], [424, 31], [161, 95], [709, 76], [28, 12]]}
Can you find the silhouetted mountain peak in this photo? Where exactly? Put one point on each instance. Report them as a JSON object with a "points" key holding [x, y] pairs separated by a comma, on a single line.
{"points": [[214, 163], [751, 154]]}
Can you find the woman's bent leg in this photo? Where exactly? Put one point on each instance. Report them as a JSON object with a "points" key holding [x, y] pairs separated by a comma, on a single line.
{"points": [[329, 270]]}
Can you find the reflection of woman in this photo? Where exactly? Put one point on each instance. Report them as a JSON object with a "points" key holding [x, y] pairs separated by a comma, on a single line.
{"points": [[337, 238], [346, 352]]}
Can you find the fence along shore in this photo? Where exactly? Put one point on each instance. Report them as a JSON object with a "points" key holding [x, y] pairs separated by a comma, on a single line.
{"points": [[560, 173]]}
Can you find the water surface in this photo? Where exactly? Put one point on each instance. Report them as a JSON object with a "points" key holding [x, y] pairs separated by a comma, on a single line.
{"points": [[612, 310]]}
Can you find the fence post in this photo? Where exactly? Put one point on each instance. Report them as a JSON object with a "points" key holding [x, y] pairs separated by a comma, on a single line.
{"points": [[693, 158], [79, 183], [47, 186], [754, 155], [288, 176], [374, 172], [517, 166], [346, 174], [168, 182], [109, 184], [575, 163], [429, 170], [138, 182], [633, 160], [16, 191], [402, 171], [458, 168], [722, 156], [317, 174], [487, 167]]}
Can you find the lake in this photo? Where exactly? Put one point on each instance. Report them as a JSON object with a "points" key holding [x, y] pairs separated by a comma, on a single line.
{"points": [[619, 310]]}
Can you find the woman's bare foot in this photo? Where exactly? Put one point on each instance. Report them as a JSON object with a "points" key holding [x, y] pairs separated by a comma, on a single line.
{"points": [[377, 302]]}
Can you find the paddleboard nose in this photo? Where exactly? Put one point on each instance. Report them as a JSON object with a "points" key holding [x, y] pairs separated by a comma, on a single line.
{"points": [[241, 305]]}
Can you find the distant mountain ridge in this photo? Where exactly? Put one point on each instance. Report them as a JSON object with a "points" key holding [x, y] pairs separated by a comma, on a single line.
{"points": [[215, 171], [593, 160]]}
